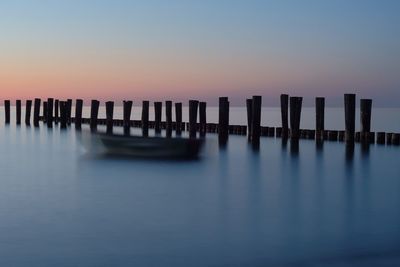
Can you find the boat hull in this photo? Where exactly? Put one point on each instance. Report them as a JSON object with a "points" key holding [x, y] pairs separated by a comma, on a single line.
{"points": [[150, 146]]}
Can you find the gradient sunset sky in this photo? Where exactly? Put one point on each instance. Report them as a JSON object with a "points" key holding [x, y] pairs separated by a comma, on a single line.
{"points": [[181, 49]]}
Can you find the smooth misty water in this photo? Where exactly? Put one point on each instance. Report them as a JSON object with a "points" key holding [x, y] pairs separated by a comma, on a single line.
{"points": [[61, 206]]}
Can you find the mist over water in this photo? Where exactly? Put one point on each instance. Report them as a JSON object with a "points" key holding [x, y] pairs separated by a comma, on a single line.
{"points": [[283, 205]]}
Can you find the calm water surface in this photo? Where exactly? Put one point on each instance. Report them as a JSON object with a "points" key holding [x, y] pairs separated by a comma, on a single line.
{"points": [[281, 206]]}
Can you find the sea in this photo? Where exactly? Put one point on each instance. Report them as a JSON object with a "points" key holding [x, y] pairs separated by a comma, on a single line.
{"points": [[284, 204]]}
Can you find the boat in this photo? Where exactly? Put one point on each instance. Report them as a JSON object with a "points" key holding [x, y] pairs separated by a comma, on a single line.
{"points": [[157, 147]]}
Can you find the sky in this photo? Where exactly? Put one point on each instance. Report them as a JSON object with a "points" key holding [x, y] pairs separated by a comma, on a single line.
{"points": [[184, 49]]}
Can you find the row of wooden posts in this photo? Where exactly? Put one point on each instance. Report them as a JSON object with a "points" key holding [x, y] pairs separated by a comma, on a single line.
{"points": [[55, 111]]}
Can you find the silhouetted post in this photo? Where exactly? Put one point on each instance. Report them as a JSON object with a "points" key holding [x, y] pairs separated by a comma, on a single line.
{"points": [[295, 115], [193, 106], [249, 107], [36, 112], [157, 116], [320, 116], [56, 111], [28, 108], [223, 120], [145, 118], [78, 114], [94, 113], [63, 114], [350, 116], [7, 107], [381, 138], [203, 118], [396, 139], [109, 116], [285, 115], [44, 111], [18, 111], [168, 116], [178, 115], [365, 118], [50, 103], [127, 116], [69, 111], [256, 120]]}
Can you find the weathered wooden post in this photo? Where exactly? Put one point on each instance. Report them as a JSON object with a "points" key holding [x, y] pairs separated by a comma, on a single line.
{"points": [[168, 116], [285, 115], [56, 111], [381, 138], [109, 116], [28, 108], [256, 120], [396, 139], [223, 120], [365, 118], [203, 118], [178, 115], [249, 107], [127, 105], [350, 116], [18, 111], [78, 114], [50, 103], [63, 114], [320, 116], [145, 118], [157, 116], [36, 112], [295, 115], [193, 106], [44, 116], [69, 111], [94, 113], [7, 107]]}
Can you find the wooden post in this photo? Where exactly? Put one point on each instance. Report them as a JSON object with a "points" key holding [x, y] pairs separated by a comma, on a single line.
{"points": [[7, 107], [365, 118], [109, 116], [256, 120], [50, 103], [56, 111], [381, 138], [157, 116], [350, 116], [178, 115], [193, 106], [223, 120], [320, 116], [69, 111], [145, 118], [44, 111], [127, 116], [285, 115], [168, 116], [203, 118], [295, 115], [18, 111], [94, 113], [36, 112], [396, 139], [78, 114], [28, 108], [249, 107], [63, 114]]}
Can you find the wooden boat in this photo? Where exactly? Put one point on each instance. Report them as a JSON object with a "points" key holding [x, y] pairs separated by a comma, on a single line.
{"points": [[158, 147]]}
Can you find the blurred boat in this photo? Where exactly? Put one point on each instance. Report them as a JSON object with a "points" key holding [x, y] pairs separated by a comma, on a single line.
{"points": [[150, 146]]}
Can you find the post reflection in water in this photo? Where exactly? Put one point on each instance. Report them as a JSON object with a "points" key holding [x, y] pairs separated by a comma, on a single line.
{"points": [[294, 147]]}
